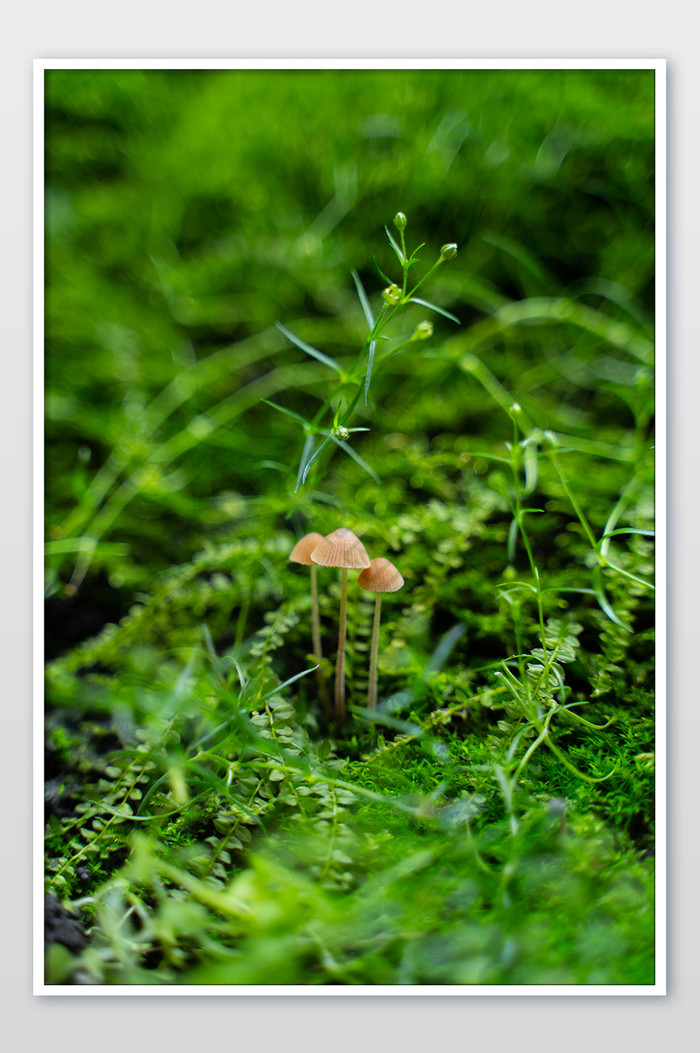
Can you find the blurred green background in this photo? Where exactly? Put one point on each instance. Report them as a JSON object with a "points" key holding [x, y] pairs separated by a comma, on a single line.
{"points": [[188, 210]]}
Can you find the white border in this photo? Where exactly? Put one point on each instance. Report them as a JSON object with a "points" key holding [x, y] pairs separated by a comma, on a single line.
{"points": [[661, 525], [38, 525], [659, 987]]}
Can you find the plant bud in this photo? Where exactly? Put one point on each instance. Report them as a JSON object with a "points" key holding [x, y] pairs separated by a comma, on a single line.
{"points": [[448, 252], [340, 432], [391, 296], [423, 331], [400, 221]]}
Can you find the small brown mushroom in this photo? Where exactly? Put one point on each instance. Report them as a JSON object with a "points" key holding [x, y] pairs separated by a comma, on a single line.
{"points": [[341, 549], [301, 553], [381, 576]]}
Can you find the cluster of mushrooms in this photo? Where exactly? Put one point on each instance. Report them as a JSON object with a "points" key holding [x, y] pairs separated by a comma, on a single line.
{"points": [[344, 549]]}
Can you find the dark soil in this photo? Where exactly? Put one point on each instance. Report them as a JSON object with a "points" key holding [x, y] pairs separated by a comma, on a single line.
{"points": [[62, 926]]}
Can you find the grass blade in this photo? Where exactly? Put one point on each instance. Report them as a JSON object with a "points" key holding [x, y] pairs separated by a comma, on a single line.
{"points": [[306, 454], [355, 456], [629, 530], [434, 307], [362, 296], [444, 648], [604, 602], [512, 539], [631, 577], [313, 458], [377, 716], [370, 364], [288, 413], [488, 456], [276, 690], [369, 317], [211, 652], [308, 349]]}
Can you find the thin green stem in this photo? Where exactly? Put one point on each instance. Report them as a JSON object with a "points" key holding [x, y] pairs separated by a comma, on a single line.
{"points": [[627, 574], [575, 505], [241, 621], [543, 733], [515, 467], [425, 277]]}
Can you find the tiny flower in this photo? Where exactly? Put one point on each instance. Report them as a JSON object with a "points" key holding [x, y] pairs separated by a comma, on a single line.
{"points": [[449, 251], [400, 221]]}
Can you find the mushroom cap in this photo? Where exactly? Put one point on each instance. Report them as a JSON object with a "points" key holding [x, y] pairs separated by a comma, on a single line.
{"points": [[380, 576], [301, 553], [342, 548]]}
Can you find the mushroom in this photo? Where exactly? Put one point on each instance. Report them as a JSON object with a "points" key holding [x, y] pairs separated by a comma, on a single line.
{"points": [[342, 549], [301, 553], [380, 576]]}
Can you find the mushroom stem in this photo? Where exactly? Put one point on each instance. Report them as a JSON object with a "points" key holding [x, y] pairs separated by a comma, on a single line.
{"points": [[340, 666], [372, 691], [316, 637]]}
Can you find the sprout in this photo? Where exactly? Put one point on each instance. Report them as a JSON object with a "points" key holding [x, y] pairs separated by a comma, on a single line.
{"points": [[381, 576], [341, 549]]}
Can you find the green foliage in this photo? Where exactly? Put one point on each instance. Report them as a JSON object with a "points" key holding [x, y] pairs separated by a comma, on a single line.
{"points": [[218, 313]]}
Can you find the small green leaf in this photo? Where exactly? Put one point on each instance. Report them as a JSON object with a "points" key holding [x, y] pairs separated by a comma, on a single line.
{"points": [[380, 272], [414, 255], [395, 247], [289, 413], [306, 455]]}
